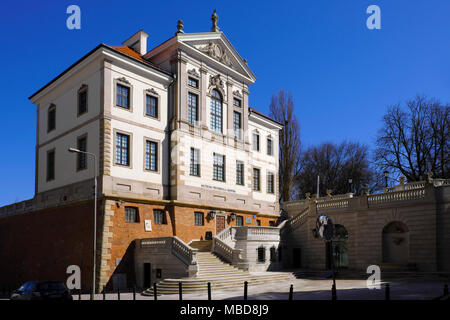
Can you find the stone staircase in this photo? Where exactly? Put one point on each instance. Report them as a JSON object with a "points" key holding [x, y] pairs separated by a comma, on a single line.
{"points": [[221, 275]]}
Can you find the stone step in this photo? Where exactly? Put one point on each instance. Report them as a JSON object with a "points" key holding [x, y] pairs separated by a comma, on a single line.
{"points": [[199, 287]]}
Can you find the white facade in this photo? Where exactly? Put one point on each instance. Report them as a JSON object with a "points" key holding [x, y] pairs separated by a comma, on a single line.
{"points": [[163, 73]]}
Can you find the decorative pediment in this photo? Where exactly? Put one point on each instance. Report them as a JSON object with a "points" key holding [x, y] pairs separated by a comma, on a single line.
{"points": [[217, 52], [152, 91], [194, 73], [123, 79], [237, 94]]}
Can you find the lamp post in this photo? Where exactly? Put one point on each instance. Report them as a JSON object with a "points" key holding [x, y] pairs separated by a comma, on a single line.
{"points": [[386, 174], [350, 180], [73, 150]]}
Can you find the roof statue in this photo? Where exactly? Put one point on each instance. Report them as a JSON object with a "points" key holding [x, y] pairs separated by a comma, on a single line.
{"points": [[215, 20]]}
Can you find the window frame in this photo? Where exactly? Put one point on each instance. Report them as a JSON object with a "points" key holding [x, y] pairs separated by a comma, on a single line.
{"points": [[239, 105], [196, 215], [239, 218], [239, 162], [124, 83], [189, 79], [147, 94], [130, 148], [239, 130], [83, 90], [213, 117], [257, 145], [268, 174], [259, 179], [157, 151], [51, 109], [261, 258], [216, 166], [164, 218], [192, 162], [80, 155], [271, 146], [189, 117], [53, 177], [136, 217]]}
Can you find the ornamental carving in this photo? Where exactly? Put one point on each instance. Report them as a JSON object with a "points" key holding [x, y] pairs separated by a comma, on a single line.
{"points": [[237, 93], [124, 80], [194, 73], [215, 81], [152, 91], [216, 52]]}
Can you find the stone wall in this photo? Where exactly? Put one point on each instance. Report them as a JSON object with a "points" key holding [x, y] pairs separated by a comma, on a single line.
{"points": [[423, 209]]}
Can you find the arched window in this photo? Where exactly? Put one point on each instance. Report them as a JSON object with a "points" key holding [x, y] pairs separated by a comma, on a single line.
{"points": [[216, 111]]}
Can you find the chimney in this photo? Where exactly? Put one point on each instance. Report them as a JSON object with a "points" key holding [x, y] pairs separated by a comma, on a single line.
{"points": [[137, 42]]}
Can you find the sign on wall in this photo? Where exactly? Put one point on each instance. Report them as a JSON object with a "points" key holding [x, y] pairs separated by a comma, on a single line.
{"points": [[248, 220], [148, 225]]}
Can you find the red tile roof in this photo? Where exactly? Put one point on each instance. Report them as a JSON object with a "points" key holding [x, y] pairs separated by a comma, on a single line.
{"points": [[135, 55]]}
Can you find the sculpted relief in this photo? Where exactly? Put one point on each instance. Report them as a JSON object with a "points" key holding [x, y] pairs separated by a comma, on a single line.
{"points": [[216, 52]]}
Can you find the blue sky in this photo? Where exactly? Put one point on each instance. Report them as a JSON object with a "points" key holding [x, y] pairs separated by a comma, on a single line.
{"points": [[341, 74]]}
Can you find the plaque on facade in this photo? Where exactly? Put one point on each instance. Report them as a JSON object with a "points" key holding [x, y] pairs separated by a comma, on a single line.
{"points": [[248, 220], [148, 225]]}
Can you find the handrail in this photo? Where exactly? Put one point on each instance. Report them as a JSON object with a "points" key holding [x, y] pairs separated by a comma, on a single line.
{"points": [[226, 252], [225, 234], [182, 251], [300, 218]]}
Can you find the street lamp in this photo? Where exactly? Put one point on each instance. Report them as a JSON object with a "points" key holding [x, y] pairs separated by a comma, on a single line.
{"points": [[350, 180], [73, 150], [386, 174]]}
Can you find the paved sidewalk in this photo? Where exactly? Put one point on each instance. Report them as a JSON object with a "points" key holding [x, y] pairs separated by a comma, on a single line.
{"points": [[308, 289]]}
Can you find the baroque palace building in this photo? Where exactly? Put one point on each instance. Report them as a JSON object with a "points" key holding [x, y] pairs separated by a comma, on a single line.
{"points": [[179, 152]]}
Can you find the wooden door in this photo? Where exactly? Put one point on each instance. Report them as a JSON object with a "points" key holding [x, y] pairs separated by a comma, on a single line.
{"points": [[220, 223]]}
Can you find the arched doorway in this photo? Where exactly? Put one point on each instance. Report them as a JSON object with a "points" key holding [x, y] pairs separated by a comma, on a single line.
{"points": [[339, 246], [395, 243]]}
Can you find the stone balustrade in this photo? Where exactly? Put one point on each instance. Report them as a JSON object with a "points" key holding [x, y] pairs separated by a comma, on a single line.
{"points": [[395, 196], [332, 204], [183, 251]]}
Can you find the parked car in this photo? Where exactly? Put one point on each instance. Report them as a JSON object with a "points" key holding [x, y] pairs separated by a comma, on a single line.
{"points": [[42, 290]]}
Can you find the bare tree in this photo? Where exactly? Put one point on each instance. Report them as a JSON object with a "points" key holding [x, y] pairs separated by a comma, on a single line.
{"points": [[282, 110], [415, 140], [335, 164]]}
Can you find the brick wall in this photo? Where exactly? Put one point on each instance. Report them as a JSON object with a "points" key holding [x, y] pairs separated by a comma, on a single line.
{"points": [[42, 244]]}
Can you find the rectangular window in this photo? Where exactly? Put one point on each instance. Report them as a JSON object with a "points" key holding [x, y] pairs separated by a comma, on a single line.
{"points": [[237, 102], [193, 82], [272, 223], [199, 218], [82, 101], [122, 149], [51, 119], [195, 163], [159, 216], [239, 221], [237, 124], [219, 167], [270, 183], [151, 106], [258, 223], [216, 113], [256, 142], [82, 157], [256, 180], [192, 108], [151, 155], [240, 173], [51, 165], [269, 147], [131, 214], [122, 96]]}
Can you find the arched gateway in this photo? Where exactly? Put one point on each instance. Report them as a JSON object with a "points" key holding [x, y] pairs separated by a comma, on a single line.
{"points": [[395, 243]]}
